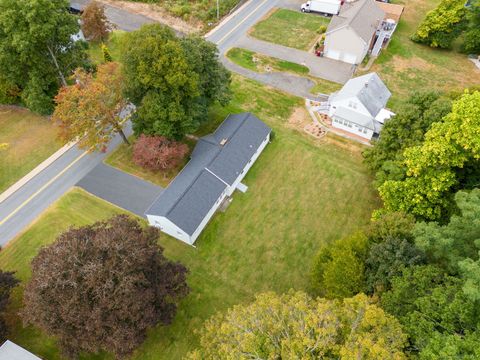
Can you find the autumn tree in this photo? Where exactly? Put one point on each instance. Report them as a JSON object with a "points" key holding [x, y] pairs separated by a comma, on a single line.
{"points": [[7, 283], [101, 287], [37, 52], [295, 326], [158, 153], [95, 25], [172, 81], [432, 167], [442, 25], [338, 270], [91, 109], [431, 305]]}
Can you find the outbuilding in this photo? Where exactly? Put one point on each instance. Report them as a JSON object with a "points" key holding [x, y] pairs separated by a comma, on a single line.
{"points": [[11, 351], [217, 166], [351, 34]]}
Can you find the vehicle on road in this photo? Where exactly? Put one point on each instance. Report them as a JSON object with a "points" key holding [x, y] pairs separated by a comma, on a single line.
{"points": [[325, 7]]}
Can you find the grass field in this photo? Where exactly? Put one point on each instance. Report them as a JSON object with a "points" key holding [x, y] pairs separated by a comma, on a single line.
{"points": [[290, 28], [114, 44], [406, 66], [301, 194], [245, 58], [29, 139], [121, 158]]}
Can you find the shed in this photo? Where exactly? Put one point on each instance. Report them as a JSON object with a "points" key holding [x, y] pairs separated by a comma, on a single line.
{"points": [[11, 351]]}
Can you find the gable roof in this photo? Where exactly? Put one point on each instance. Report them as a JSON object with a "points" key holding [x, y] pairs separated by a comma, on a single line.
{"points": [[369, 89], [212, 168], [11, 351], [363, 17]]}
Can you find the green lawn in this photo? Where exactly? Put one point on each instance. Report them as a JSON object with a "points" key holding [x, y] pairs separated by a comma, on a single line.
{"points": [[29, 139], [290, 28], [121, 158], [406, 66], [300, 196], [114, 44], [259, 63]]}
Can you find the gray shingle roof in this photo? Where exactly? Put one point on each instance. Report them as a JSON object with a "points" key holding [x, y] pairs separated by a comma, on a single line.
{"points": [[11, 351], [190, 196], [363, 17], [369, 89]]}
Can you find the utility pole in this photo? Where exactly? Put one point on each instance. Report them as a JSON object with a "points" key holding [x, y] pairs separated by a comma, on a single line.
{"points": [[218, 10]]}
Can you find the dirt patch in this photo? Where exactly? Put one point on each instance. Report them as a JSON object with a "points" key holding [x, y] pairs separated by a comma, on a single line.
{"points": [[402, 64], [299, 118], [157, 13]]}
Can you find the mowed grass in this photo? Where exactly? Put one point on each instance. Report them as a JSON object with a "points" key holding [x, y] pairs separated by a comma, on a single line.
{"points": [[406, 66], [122, 158], [113, 43], [260, 63], [29, 139], [290, 28], [301, 195]]}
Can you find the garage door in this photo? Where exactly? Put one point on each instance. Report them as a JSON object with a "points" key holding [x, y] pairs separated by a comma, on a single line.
{"points": [[349, 58], [332, 54]]}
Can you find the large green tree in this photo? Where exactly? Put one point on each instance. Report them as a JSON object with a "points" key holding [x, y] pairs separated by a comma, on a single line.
{"points": [[471, 39], [432, 167], [172, 81], [430, 304], [102, 286], [37, 52], [294, 326], [442, 25]]}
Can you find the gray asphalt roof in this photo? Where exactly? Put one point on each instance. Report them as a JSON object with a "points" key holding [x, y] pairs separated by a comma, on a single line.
{"points": [[189, 197], [363, 17], [11, 351], [369, 89]]}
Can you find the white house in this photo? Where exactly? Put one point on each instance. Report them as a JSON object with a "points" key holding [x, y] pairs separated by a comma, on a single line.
{"points": [[11, 351], [352, 34], [217, 166], [359, 107]]}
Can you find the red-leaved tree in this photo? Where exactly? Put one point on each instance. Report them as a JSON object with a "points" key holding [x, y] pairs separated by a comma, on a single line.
{"points": [[158, 153]]}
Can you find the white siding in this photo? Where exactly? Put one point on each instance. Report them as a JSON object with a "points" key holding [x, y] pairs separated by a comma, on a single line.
{"points": [[352, 128], [166, 226]]}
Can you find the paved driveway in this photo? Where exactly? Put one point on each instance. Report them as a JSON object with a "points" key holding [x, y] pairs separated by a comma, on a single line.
{"points": [[119, 188], [324, 68]]}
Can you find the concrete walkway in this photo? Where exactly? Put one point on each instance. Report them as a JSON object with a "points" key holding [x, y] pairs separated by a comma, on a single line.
{"points": [[119, 188], [324, 68]]}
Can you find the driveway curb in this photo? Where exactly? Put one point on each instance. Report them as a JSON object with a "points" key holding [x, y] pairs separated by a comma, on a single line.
{"points": [[42, 166]]}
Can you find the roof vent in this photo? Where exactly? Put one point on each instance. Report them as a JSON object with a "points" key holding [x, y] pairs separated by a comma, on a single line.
{"points": [[223, 142]]}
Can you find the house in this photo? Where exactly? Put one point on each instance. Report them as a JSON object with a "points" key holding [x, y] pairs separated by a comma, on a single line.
{"points": [[11, 351], [352, 34], [217, 166], [359, 107]]}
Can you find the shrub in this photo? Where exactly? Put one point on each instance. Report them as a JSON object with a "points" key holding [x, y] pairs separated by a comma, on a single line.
{"points": [[322, 29], [158, 153]]}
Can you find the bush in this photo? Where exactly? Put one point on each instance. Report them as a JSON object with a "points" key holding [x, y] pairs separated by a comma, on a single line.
{"points": [[339, 268], [322, 29], [158, 153]]}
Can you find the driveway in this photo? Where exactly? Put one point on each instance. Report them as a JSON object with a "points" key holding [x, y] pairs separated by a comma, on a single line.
{"points": [[119, 188], [324, 68]]}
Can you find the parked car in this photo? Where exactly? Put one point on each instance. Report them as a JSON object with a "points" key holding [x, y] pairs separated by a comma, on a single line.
{"points": [[326, 7]]}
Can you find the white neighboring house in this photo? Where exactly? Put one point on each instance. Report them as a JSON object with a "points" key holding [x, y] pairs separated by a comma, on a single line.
{"points": [[352, 34], [359, 107], [11, 351], [217, 166]]}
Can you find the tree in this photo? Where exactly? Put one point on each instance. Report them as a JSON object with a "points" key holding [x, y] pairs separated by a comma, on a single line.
{"points": [[173, 82], [447, 347], [432, 167], [471, 40], [338, 268], [442, 25], [294, 326], [406, 129], [428, 303], [37, 52], [157, 153], [95, 25], [91, 108], [7, 283], [388, 259], [451, 243], [107, 57], [101, 286], [391, 225]]}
